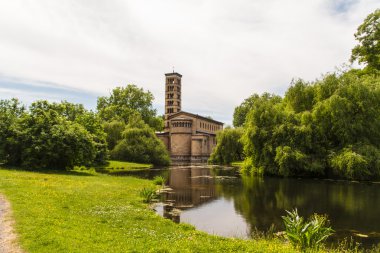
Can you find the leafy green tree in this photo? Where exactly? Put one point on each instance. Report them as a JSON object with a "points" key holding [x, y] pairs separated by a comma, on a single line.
{"points": [[368, 36], [124, 102], [114, 130], [139, 143], [93, 124], [47, 140], [290, 161], [350, 164], [356, 162], [50, 135], [300, 96], [259, 146], [10, 112], [241, 111], [78, 114], [327, 127], [229, 147]]}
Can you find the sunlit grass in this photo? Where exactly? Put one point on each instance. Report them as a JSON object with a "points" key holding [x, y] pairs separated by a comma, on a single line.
{"points": [[237, 164], [127, 165], [99, 213], [115, 166]]}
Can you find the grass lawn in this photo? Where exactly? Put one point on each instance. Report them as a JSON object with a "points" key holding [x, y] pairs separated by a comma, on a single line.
{"points": [[126, 165], [117, 166], [81, 212], [237, 164]]}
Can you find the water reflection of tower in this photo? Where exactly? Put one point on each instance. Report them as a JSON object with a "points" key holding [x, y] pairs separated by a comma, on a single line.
{"points": [[191, 187]]}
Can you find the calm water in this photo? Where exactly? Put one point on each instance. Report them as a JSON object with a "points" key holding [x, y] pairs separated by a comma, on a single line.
{"points": [[220, 201]]}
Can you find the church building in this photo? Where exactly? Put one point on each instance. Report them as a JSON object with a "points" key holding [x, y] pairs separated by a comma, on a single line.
{"points": [[188, 137]]}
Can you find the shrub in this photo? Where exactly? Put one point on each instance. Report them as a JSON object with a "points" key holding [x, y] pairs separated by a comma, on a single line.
{"points": [[159, 180], [148, 194], [140, 144], [306, 234]]}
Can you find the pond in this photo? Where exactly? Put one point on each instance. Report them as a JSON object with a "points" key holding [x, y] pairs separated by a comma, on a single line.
{"points": [[219, 201]]}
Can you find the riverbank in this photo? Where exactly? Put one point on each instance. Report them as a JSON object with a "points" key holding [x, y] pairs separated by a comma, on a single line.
{"points": [[81, 212]]}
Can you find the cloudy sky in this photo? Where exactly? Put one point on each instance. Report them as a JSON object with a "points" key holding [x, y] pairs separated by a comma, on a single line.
{"points": [[78, 50]]}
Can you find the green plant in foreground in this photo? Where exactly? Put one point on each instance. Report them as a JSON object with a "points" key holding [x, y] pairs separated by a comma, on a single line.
{"points": [[148, 194], [306, 234], [159, 180]]}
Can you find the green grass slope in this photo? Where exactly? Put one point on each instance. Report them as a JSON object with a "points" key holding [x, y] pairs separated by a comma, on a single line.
{"points": [[80, 212]]}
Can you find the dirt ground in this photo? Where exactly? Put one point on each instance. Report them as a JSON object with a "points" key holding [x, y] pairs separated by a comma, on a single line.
{"points": [[8, 238]]}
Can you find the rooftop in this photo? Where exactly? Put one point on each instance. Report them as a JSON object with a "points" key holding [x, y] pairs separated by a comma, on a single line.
{"points": [[173, 74], [196, 116]]}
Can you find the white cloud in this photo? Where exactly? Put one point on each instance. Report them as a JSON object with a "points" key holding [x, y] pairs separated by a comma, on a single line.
{"points": [[226, 50]]}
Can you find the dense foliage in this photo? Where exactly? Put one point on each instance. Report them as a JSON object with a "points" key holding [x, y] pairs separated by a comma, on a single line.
{"points": [[129, 121], [63, 135], [10, 112], [124, 102], [229, 147], [328, 127], [241, 111], [50, 135], [139, 143]]}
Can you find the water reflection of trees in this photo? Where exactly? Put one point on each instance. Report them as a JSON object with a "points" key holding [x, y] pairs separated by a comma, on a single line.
{"points": [[262, 201]]}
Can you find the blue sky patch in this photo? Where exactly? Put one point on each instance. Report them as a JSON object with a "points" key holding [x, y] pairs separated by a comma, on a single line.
{"points": [[27, 93]]}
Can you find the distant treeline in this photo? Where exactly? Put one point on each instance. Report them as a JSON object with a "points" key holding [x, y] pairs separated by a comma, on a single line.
{"points": [[329, 127], [63, 135]]}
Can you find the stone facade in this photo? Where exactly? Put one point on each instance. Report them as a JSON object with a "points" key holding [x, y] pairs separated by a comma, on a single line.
{"points": [[188, 137]]}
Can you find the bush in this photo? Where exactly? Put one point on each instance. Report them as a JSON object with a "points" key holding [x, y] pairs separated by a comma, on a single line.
{"points": [[148, 194], [306, 234], [159, 180], [140, 144]]}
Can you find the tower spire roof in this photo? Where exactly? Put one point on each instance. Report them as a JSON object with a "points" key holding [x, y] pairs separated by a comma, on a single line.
{"points": [[173, 74]]}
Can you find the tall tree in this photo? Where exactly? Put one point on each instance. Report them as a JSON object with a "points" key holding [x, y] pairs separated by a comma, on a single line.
{"points": [[368, 36], [300, 96], [87, 119], [47, 140], [126, 101], [10, 112], [50, 135], [229, 147], [327, 127], [241, 111]]}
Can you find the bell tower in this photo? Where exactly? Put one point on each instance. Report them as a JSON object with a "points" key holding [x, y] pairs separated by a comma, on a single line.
{"points": [[172, 95]]}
